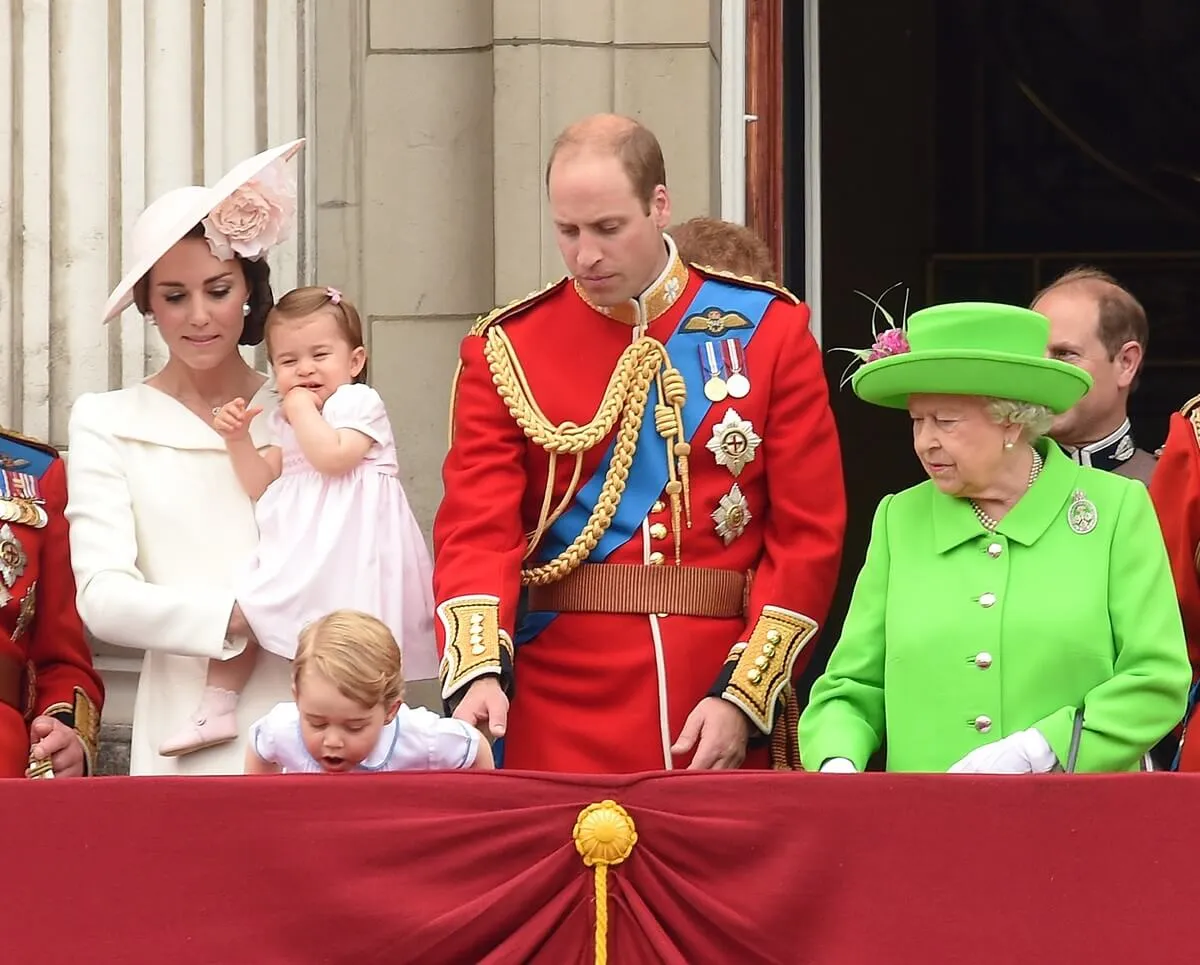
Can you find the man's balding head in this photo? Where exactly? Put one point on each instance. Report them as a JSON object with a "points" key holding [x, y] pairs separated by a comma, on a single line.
{"points": [[631, 143]]}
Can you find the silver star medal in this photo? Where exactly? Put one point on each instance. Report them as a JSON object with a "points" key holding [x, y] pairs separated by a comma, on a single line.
{"points": [[1081, 514], [12, 556], [732, 515], [734, 442]]}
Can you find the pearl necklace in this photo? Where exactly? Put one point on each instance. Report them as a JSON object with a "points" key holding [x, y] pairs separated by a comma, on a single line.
{"points": [[988, 522]]}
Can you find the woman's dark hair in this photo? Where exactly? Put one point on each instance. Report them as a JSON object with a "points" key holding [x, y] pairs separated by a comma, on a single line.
{"points": [[258, 284]]}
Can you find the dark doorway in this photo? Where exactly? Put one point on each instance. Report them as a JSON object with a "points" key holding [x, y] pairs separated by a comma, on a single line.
{"points": [[975, 149]]}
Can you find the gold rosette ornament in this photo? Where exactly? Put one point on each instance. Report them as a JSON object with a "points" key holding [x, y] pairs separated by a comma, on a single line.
{"points": [[604, 835]]}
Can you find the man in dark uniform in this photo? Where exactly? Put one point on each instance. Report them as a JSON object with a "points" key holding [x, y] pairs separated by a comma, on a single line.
{"points": [[50, 694], [1099, 326]]}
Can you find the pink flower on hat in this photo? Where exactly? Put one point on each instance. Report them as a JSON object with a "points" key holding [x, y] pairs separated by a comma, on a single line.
{"points": [[254, 218], [890, 340]]}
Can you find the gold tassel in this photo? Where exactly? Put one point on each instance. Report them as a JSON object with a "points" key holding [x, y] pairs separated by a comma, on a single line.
{"points": [[604, 836]]}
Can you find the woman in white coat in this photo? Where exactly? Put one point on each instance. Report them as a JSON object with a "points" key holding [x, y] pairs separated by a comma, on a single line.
{"points": [[160, 526]]}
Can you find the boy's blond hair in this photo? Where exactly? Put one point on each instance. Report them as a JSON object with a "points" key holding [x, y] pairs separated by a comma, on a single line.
{"points": [[354, 651]]}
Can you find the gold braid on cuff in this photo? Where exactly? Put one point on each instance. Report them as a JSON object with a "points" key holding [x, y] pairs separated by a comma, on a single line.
{"points": [[475, 644], [83, 718], [762, 667]]}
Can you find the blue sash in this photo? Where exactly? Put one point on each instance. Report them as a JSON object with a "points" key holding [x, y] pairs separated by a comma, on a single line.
{"points": [[648, 475]]}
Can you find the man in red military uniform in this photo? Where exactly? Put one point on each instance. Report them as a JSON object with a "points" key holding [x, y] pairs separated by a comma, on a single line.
{"points": [[50, 694], [647, 448], [1175, 491]]}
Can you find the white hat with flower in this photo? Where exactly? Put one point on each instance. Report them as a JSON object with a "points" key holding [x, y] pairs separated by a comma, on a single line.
{"points": [[249, 211]]}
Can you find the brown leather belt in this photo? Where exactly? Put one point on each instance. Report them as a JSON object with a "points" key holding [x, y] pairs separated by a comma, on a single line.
{"points": [[12, 673], [626, 588]]}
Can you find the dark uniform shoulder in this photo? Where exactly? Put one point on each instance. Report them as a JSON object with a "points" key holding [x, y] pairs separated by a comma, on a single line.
{"points": [[516, 307], [22, 454], [746, 281]]}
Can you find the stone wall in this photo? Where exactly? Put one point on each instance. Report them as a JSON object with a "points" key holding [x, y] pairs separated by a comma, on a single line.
{"points": [[433, 123]]}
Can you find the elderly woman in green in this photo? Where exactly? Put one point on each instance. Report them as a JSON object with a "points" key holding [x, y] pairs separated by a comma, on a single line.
{"points": [[1009, 592]]}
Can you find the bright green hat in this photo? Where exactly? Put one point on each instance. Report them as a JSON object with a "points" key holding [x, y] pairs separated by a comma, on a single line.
{"points": [[971, 348]]}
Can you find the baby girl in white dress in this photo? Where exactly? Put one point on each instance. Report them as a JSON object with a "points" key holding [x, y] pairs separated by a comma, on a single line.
{"points": [[335, 528], [349, 713]]}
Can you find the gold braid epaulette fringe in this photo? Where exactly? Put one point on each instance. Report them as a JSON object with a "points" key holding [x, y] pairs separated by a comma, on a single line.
{"points": [[1191, 411], [747, 281], [623, 406], [516, 306], [31, 442]]}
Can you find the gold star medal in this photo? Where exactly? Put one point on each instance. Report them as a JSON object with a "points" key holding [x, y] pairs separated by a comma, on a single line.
{"points": [[732, 515], [734, 442]]}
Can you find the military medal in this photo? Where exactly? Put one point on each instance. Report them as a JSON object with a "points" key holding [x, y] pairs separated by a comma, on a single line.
{"points": [[734, 442], [715, 389], [732, 515], [1081, 514], [20, 499], [28, 612], [12, 556], [735, 354]]}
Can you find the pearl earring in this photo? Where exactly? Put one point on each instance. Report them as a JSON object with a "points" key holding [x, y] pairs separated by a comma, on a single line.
{"points": [[149, 318], [246, 310], [1007, 444]]}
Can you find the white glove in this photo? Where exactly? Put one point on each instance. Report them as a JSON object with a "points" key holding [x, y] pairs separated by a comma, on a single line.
{"points": [[838, 765], [1025, 752]]}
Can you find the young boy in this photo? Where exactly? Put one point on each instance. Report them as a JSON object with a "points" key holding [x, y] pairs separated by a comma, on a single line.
{"points": [[349, 713]]}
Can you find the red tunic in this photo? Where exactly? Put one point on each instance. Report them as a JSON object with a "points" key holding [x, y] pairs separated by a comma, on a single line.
{"points": [[598, 692], [1175, 491], [40, 629]]}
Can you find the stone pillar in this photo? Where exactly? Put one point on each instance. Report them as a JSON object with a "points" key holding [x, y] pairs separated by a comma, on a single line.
{"points": [[655, 61], [434, 122], [103, 106]]}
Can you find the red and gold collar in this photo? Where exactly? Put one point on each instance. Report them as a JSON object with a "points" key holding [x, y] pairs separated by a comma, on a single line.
{"points": [[656, 300]]}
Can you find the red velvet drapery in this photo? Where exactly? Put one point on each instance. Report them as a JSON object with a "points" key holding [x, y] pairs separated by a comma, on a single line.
{"points": [[463, 868]]}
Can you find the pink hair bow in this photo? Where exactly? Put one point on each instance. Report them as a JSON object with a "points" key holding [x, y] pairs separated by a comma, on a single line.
{"points": [[335, 296]]}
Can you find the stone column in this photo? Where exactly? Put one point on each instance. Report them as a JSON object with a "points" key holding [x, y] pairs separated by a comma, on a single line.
{"points": [[434, 124], [103, 106]]}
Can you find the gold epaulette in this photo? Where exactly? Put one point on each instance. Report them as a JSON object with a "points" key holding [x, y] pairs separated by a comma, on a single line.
{"points": [[1191, 412], [747, 281], [515, 307]]}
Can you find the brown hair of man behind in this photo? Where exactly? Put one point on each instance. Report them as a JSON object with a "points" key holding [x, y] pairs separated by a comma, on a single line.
{"points": [[357, 653], [302, 302], [1121, 316], [631, 143], [725, 246]]}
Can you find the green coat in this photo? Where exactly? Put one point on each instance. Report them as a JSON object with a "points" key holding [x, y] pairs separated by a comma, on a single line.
{"points": [[951, 627]]}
